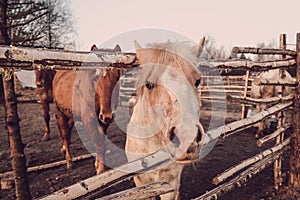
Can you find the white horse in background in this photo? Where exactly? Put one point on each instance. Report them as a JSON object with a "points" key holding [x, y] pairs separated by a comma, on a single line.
{"points": [[166, 113], [268, 91]]}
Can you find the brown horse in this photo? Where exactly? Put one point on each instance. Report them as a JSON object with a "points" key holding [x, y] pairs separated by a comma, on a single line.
{"points": [[43, 82], [87, 95]]}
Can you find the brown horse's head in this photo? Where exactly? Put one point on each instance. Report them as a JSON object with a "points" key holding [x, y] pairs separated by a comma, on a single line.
{"points": [[107, 91], [40, 78], [43, 78]]}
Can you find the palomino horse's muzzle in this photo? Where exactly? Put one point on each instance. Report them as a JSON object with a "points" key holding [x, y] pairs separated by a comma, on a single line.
{"points": [[192, 152]]}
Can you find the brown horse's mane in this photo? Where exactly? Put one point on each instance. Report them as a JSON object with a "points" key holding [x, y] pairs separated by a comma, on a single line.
{"points": [[177, 55]]}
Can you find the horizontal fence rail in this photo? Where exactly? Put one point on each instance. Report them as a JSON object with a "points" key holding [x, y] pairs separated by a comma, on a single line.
{"points": [[250, 65], [244, 176], [112, 177], [31, 59], [264, 51]]}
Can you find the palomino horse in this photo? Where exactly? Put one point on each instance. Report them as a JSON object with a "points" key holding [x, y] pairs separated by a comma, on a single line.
{"points": [[268, 91], [87, 95], [166, 113], [43, 82]]}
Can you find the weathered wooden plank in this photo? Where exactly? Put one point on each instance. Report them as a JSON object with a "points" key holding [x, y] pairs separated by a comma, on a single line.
{"points": [[48, 165], [269, 51], [143, 192], [31, 58], [229, 172], [233, 127], [250, 65], [254, 101], [243, 177], [257, 81], [109, 178], [269, 137]]}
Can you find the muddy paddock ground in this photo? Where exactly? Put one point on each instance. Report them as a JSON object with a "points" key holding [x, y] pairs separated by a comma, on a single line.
{"points": [[196, 178]]}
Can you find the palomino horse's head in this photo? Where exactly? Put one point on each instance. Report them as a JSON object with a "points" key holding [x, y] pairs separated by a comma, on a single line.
{"points": [[167, 109], [107, 91]]}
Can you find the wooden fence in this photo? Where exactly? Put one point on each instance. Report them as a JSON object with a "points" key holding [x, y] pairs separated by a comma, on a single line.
{"points": [[23, 58]]}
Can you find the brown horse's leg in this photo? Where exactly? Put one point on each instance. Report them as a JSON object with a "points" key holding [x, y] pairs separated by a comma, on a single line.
{"points": [[100, 159], [70, 124], [46, 110], [99, 143], [99, 164], [97, 134], [65, 134]]}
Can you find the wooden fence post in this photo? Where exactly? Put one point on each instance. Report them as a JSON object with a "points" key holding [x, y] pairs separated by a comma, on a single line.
{"points": [[280, 137], [12, 119], [16, 146], [244, 109], [294, 179]]}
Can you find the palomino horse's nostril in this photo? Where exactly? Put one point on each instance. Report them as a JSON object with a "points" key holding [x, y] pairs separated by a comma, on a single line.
{"points": [[173, 138], [199, 136], [191, 149], [200, 133]]}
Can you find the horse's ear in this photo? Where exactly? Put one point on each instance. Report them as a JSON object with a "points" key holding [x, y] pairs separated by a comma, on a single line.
{"points": [[117, 48], [137, 45], [202, 42], [94, 48], [138, 49], [198, 48]]}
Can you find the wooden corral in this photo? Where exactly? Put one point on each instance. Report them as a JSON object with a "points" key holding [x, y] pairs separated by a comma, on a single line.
{"points": [[15, 58]]}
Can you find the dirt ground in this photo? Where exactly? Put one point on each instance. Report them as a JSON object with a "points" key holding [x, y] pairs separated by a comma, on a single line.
{"points": [[196, 178]]}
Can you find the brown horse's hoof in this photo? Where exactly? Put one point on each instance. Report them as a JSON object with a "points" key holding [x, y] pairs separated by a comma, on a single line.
{"points": [[258, 135], [100, 167], [69, 165], [46, 137], [99, 171], [63, 149]]}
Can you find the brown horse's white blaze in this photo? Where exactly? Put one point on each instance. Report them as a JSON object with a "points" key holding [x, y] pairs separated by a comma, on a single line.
{"points": [[268, 91], [43, 82], [86, 95], [166, 113]]}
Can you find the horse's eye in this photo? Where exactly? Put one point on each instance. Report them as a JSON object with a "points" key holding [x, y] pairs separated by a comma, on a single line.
{"points": [[149, 85], [197, 83]]}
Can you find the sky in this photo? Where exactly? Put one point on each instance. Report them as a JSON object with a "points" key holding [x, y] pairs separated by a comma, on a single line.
{"points": [[229, 22]]}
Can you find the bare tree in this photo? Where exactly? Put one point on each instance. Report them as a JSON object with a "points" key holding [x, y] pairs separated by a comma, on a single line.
{"points": [[60, 24], [23, 16], [46, 23], [260, 58], [211, 51]]}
